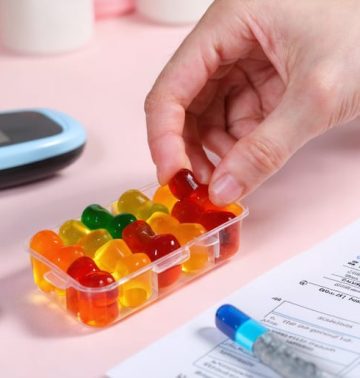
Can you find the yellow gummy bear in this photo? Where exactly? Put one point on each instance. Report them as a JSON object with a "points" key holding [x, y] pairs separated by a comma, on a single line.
{"points": [[137, 290], [72, 231], [109, 254], [92, 241], [136, 203], [164, 196]]}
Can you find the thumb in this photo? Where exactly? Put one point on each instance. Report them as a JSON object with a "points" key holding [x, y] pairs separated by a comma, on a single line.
{"points": [[264, 151]]}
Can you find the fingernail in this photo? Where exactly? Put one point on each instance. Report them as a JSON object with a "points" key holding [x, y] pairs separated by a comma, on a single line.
{"points": [[203, 176], [226, 189]]}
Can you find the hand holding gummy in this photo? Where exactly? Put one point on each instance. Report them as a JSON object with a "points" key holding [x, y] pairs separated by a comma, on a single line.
{"points": [[194, 206], [110, 262]]}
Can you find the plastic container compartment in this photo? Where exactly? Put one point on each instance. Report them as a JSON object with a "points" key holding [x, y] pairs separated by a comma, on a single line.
{"points": [[142, 287]]}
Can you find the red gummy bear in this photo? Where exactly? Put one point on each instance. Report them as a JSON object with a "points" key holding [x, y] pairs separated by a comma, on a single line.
{"points": [[212, 219], [187, 211], [137, 235], [200, 196], [140, 237], [82, 266], [94, 308], [194, 200], [183, 184], [98, 308], [194, 206], [79, 268]]}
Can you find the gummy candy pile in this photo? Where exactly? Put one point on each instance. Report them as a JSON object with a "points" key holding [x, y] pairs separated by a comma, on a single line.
{"points": [[105, 246]]}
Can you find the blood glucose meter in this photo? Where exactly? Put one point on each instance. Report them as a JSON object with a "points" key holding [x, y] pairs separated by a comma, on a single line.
{"points": [[37, 143]]}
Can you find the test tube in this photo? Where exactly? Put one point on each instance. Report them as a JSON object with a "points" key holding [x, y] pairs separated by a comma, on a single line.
{"points": [[264, 344]]}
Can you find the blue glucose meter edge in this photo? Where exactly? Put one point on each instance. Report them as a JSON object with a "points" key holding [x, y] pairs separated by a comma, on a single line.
{"points": [[36, 143]]}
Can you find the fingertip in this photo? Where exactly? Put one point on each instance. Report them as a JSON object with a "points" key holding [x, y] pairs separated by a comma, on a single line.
{"points": [[203, 173], [161, 176], [225, 189], [168, 154], [201, 165], [203, 177]]}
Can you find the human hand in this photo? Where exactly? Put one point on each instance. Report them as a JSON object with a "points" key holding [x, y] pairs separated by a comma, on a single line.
{"points": [[253, 82]]}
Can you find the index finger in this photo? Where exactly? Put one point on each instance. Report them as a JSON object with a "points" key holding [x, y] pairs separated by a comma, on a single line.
{"points": [[218, 39]]}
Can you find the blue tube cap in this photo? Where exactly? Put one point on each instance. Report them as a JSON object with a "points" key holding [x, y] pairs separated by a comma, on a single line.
{"points": [[238, 326], [229, 319]]}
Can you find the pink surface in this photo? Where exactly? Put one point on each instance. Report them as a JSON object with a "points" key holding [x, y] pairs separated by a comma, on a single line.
{"points": [[112, 8], [104, 86]]}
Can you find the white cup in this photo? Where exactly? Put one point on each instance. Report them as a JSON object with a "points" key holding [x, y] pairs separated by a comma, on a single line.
{"points": [[46, 26], [173, 11]]}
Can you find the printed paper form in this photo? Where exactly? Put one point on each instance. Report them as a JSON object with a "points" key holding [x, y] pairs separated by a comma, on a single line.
{"points": [[311, 301]]}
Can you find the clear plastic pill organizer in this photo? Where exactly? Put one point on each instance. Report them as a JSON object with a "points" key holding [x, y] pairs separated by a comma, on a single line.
{"points": [[103, 278]]}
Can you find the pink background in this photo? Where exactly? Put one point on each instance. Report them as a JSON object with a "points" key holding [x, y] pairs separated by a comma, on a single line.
{"points": [[104, 86], [110, 8]]}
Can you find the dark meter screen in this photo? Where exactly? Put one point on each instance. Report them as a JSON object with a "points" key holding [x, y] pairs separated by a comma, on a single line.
{"points": [[22, 127]]}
